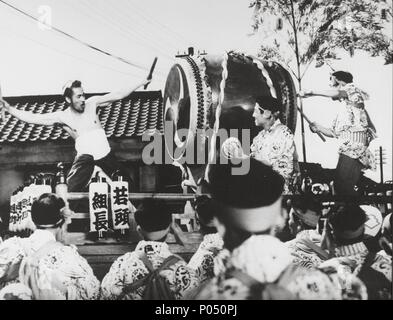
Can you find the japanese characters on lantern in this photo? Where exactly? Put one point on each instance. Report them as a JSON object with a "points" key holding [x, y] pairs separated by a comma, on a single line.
{"points": [[98, 203], [119, 204]]}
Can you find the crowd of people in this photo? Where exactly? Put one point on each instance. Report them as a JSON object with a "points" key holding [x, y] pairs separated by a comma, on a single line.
{"points": [[241, 255]]}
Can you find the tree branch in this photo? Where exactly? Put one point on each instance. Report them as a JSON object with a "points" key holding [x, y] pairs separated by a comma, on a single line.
{"points": [[292, 71], [307, 66], [285, 41]]}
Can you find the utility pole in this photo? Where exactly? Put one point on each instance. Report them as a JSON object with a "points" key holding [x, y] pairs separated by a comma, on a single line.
{"points": [[380, 155]]}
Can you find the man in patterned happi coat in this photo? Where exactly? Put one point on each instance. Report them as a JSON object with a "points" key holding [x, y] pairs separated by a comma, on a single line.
{"points": [[305, 248], [203, 259], [131, 275], [42, 263], [344, 236], [352, 126], [274, 145]]}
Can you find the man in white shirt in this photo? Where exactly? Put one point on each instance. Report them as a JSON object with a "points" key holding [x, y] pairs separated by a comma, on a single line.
{"points": [[81, 121]]}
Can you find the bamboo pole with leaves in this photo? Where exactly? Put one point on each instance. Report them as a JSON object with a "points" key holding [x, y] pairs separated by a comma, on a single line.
{"points": [[299, 80]]}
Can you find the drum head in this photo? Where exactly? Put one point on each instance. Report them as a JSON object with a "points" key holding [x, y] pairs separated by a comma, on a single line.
{"points": [[183, 106], [196, 86]]}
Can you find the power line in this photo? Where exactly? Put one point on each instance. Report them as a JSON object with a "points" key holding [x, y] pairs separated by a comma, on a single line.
{"points": [[133, 26], [95, 15], [72, 56], [76, 39], [165, 37], [115, 23], [155, 21], [101, 22]]}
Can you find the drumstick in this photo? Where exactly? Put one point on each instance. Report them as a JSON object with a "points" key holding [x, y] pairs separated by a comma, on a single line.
{"points": [[151, 71], [2, 116], [310, 122]]}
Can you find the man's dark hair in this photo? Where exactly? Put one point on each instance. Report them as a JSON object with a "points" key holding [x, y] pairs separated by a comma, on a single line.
{"points": [[346, 218], [205, 208], [343, 76], [46, 210], [153, 215], [260, 187], [68, 89], [269, 103], [307, 201], [303, 225]]}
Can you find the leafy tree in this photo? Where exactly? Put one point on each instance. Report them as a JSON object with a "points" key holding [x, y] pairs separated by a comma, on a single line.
{"points": [[300, 32]]}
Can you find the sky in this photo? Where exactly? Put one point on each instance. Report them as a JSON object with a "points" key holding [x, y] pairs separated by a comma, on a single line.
{"points": [[37, 61]]}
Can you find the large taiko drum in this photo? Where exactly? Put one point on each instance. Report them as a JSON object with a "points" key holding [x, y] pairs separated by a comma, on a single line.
{"points": [[201, 88]]}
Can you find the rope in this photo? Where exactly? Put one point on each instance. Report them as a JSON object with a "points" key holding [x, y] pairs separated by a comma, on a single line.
{"points": [[224, 76], [265, 74]]}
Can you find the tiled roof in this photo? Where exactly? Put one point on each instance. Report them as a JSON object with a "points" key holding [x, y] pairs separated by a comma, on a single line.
{"points": [[130, 117]]}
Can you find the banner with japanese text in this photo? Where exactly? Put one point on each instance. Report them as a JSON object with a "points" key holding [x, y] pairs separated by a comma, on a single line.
{"points": [[98, 204], [119, 202]]}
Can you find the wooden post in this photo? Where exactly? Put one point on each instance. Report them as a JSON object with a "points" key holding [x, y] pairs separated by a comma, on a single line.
{"points": [[147, 178], [61, 188], [381, 163]]}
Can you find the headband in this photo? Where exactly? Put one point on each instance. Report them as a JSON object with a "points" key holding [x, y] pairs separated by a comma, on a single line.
{"points": [[51, 226]]}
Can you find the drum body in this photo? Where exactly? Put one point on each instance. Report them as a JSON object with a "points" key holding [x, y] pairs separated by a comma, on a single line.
{"points": [[205, 91]]}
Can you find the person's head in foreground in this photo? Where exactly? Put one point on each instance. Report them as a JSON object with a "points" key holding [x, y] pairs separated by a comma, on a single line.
{"points": [[49, 213], [304, 213], [346, 224], [205, 208], [246, 204], [154, 219]]}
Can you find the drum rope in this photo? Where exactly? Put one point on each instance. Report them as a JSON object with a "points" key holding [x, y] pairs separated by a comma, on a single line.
{"points": [[224, 76], [266, 76]]}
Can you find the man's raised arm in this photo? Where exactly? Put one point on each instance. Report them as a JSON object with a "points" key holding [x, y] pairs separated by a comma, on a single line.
{"points": [[117, 95], [332, 93], [47, 119]]}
